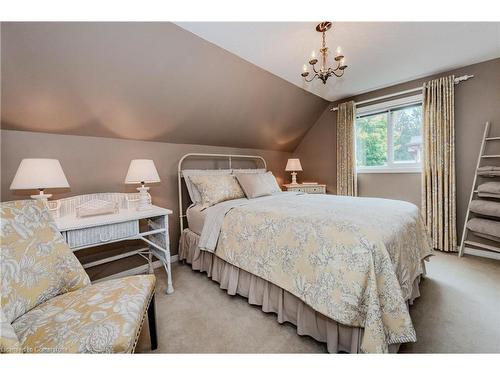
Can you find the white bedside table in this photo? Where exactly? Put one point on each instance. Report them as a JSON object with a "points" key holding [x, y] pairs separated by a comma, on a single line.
{"points": [[82, 233], [307, 188]]}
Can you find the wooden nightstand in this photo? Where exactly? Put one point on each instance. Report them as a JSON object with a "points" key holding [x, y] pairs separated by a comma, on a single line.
{"points": [[307, 188]]}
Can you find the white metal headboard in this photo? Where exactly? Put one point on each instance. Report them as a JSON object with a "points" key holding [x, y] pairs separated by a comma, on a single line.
{"points": [[229, 158]]}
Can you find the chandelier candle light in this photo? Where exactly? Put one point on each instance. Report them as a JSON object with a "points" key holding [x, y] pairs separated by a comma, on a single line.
{"points": [[324, 73]]}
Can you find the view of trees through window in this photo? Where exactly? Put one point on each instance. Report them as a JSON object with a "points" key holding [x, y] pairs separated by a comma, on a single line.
{"points": [[389, 138], [407, 134], [371, 140]]}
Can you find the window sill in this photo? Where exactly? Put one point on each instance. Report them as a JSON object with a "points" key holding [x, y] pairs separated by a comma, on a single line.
{"points": [[389, 170]]}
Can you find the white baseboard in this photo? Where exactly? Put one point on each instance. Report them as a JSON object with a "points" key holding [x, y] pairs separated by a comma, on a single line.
{"points": [[174, 258], [482, 253]]}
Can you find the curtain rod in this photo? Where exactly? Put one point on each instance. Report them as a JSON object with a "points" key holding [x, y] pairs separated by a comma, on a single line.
{"points": [[457, 81]]}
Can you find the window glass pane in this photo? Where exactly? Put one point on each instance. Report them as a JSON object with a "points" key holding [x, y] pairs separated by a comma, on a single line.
{"points": [[371, 140], [407, 134]]}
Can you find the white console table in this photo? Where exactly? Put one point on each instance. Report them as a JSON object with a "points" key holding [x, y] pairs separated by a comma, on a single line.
{"points": [[82, 233]]}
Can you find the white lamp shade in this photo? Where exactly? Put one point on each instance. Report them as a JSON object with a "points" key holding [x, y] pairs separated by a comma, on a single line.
{"points": [[142, 170], [293, 165], [39, 174]]}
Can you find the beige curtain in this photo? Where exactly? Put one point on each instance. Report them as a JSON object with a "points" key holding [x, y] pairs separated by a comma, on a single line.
{"points": [[438, 175], [346, 158]]}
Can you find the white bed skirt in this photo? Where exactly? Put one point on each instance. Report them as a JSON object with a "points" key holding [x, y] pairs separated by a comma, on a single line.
{"points": [[338, 337]]}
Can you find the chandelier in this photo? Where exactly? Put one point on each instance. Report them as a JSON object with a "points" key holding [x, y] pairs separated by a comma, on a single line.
{"points": [[324, 73]]}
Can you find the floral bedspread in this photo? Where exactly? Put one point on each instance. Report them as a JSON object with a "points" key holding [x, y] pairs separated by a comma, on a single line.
{"points": [[351, 259]]}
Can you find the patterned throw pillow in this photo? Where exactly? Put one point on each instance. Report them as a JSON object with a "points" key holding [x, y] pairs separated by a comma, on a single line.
{"points": [[36, 264], [188, 173], [216, 189]]}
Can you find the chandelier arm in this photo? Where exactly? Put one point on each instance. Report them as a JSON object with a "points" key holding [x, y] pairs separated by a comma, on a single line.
{"points": [[330, 69], [310, 80], [334, 72], [315, 71]]}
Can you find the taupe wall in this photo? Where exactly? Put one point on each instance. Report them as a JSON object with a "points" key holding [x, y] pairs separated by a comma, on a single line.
{"points": [[94, 164], [476, 101], [96, 95], [156, 81], [145, 81], [405, 186], [318, 152]]}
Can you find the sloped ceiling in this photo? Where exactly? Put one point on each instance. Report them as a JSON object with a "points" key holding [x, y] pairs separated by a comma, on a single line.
{"points": [[145, 81], [379, 54]]}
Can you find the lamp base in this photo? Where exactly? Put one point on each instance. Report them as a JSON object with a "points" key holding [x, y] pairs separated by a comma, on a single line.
{"points": [[41, 196], [294, 178], [143, 199]]}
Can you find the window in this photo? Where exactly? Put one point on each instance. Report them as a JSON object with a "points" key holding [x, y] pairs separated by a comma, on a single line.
{"points": [[389, 136]]}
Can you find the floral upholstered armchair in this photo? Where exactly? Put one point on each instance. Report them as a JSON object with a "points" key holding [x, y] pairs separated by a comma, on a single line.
{"points": [[47, 301]]}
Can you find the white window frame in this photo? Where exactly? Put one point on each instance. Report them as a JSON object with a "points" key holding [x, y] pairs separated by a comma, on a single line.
{"points": [[389, 106]]}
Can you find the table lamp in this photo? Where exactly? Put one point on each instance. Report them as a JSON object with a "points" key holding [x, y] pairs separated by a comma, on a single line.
{"points": [[293, 165], [39, 174], [142, 171]]}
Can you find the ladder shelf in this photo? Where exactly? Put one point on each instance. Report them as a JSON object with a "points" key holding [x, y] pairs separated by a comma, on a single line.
{"points": [[474, 190], [482, 245]]}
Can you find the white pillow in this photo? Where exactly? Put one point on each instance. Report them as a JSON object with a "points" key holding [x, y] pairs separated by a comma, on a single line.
{"points": [[193, 192], [258, 184], [272, 182]]}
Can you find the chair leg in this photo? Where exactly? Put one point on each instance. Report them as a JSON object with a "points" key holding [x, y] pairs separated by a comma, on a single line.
{"points": [[152, 324]]}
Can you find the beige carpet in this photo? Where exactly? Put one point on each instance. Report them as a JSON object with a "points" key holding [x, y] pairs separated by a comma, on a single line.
{"points": [[458, 312]]}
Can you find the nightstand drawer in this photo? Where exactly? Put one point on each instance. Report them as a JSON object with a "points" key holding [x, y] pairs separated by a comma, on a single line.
{"points": [[313, 189], [308, 189], [101, 234]]}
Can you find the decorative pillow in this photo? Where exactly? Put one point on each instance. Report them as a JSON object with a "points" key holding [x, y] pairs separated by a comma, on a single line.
{"points": [[249, 170], [9, 343], [188, 173], [216, 189], [36, 264], [271, 181], [258, 184]]}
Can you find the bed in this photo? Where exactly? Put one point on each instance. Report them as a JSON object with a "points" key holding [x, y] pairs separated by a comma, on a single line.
{"points": [[342, 269]]}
